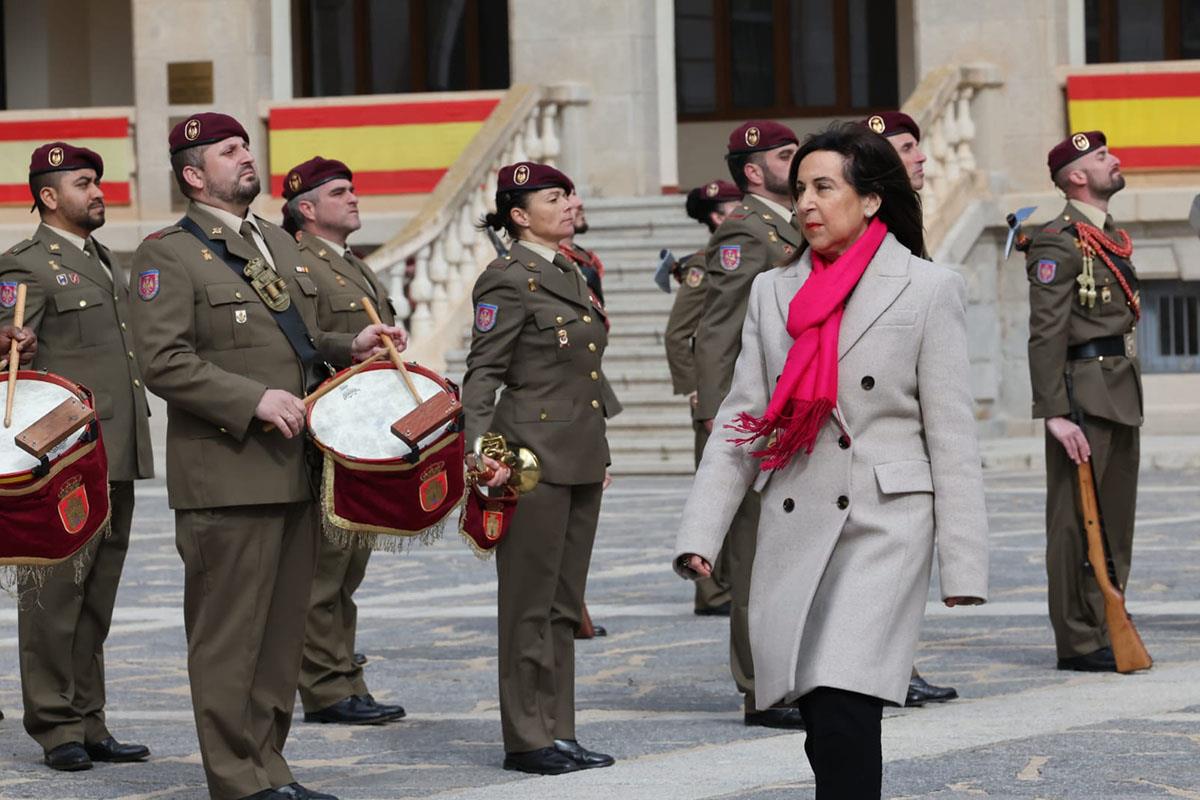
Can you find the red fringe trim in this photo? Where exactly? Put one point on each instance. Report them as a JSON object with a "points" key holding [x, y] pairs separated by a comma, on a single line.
{"points": [[795, 431]]}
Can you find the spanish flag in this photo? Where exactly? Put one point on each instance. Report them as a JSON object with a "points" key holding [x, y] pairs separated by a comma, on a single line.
{"points": [[108, 136], [393, 148], [1150, 118]]}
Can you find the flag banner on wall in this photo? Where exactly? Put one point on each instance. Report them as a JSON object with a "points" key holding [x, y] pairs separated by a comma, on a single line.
{"points": [[108, 136], [1150, 118], [393, 148]]}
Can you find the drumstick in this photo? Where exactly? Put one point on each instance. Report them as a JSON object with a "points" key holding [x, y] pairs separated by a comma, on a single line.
{"points": [[391, 349], [13, 357], [332, 384]]}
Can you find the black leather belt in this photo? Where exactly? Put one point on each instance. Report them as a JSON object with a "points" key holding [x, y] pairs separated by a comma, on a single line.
{"points": [[1104, 346]]}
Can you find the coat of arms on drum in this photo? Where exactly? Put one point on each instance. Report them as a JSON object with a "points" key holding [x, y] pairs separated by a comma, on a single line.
{"points": [[73, 505], [434, 487]]}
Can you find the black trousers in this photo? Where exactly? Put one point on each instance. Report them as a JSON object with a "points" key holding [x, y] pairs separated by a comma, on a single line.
{"points": [[843, 743]]}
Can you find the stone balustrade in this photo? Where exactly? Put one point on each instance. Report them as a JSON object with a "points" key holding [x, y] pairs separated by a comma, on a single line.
{"points": [[948, 105], [432, 264]]}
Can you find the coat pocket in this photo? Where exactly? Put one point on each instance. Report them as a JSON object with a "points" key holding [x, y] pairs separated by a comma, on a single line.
{"points": [[897, 319], [233, 309], [900, 477], [85, 316]]}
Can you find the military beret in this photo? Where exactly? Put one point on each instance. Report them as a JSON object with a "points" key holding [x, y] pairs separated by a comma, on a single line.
{"points": [[758, 135], [717, 192], [526, 176], [891, 123], [60, 156], [204, 128], [1074, 146], [312, 173]]}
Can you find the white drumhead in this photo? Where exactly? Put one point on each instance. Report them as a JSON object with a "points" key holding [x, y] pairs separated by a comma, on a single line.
{"points": [[34, 399], [355, 418]]}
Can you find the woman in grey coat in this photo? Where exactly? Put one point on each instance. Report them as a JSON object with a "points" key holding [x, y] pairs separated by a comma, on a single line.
{"points": [[850, 411]]}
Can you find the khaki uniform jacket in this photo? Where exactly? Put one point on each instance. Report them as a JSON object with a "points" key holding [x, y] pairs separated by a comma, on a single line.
{"points": [[847, 533], [753, 238], [682, 322], [342, 282], [1110, 388], [540, 340], [81, 319], [210, 347]]}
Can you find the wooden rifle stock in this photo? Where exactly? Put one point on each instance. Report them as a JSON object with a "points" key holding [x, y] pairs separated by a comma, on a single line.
{"points": [[1128, 650]]}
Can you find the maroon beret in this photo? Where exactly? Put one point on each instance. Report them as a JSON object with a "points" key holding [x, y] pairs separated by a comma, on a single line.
{"points": [[60, 156], [1074, 146], [717, 191], [757, 135], [526, 176], [205, 128], [890, 123], [313, 173]]}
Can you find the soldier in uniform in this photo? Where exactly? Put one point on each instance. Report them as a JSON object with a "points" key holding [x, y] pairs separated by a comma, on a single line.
{"points": [[225, 328], [757, 235], [539, 334], [903, 133], [322, 211], [708, 205], [1083, 313], [77, 300]]}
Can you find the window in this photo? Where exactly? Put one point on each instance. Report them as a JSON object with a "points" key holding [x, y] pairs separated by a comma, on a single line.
{"points": [[1141, 30], [345, 47], [784, 58], [1169, 331]]}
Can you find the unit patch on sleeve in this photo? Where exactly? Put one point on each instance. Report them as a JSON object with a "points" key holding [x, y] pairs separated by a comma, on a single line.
{"points": [[695, 276], [148, 284], [485, 317], [8, 295], [731, 256], [1046, 270]]}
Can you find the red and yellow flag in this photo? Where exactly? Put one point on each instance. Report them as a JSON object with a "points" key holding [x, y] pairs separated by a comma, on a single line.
{"points": [[393, 148], [1151, 119], [108, 136]]}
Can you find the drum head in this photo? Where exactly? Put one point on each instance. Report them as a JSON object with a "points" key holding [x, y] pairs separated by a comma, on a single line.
{"points": [[35, 398], [355, 419]]}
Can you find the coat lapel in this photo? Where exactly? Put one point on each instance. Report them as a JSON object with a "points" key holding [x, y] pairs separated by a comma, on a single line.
{"points": [[342, 266], [783, 227], [71, 259], [553, 279], [880, 285], [789, 281], [217, 230]]}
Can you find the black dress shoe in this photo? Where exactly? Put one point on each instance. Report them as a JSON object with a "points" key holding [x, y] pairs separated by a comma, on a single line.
{"points": [[715, 611], [304, 793], [586, 759], [776, 717], [360, 659], [69, 757], [1101, 660], [355, 710], [920, 692], [545, 761], [111, 750]]}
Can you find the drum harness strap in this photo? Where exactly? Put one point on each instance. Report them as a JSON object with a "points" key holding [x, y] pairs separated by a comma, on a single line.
{"points": [[288, 319]]}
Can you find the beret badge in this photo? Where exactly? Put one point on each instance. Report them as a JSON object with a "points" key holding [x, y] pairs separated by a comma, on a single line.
{"points": [[1081, 142], [877, 124], [55, 156], [712, 189], [294, 181], [752, 136], [191, 131], [521, 175]]}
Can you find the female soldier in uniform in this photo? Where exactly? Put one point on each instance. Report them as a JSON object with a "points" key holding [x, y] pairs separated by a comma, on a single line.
{"points": [[851, 412], [539, 335]]}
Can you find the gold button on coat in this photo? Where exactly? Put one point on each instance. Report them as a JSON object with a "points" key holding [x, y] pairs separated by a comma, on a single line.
{"points": [[559, 320], [592, 346], [83, 303], [543, 415], [595, 404], [587, 318], [595, 375]]}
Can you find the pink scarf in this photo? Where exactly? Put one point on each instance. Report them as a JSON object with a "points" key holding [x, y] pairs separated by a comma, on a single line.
{"points": [[806, 393]]}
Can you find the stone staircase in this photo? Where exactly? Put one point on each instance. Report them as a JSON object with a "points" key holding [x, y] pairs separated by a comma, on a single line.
{"points": [[653, 435]]}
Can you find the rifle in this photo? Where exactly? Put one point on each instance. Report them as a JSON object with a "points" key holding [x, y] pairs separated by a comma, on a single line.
{"points": [[1128, 650]]}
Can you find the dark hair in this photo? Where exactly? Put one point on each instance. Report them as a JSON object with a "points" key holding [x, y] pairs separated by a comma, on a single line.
{"points": [[501, 218], [52, 179], [188, 157], [872, 166], [737, 167], [700, 208]]}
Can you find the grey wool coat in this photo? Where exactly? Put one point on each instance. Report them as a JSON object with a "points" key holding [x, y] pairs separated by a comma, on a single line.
{"points": [[837, 593]]}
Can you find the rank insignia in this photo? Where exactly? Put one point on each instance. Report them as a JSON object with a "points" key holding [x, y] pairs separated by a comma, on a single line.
{"points": [[485, 317], [73, 277], [8, 295], [301, 268], [1046, 270], [207, 256], [53, 264], [322, 252], [239, 316], [731, 256], [563, 341], [216, 231], [695, 276], [54, 247], [148, 284], [62, 279], [532, 285]]}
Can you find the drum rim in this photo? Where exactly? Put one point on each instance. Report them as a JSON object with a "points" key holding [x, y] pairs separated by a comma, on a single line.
{"points": [[77, 389], [349, 460]]}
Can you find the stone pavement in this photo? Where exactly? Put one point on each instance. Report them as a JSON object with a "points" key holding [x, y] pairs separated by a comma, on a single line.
{"points": [[656, 691]]}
